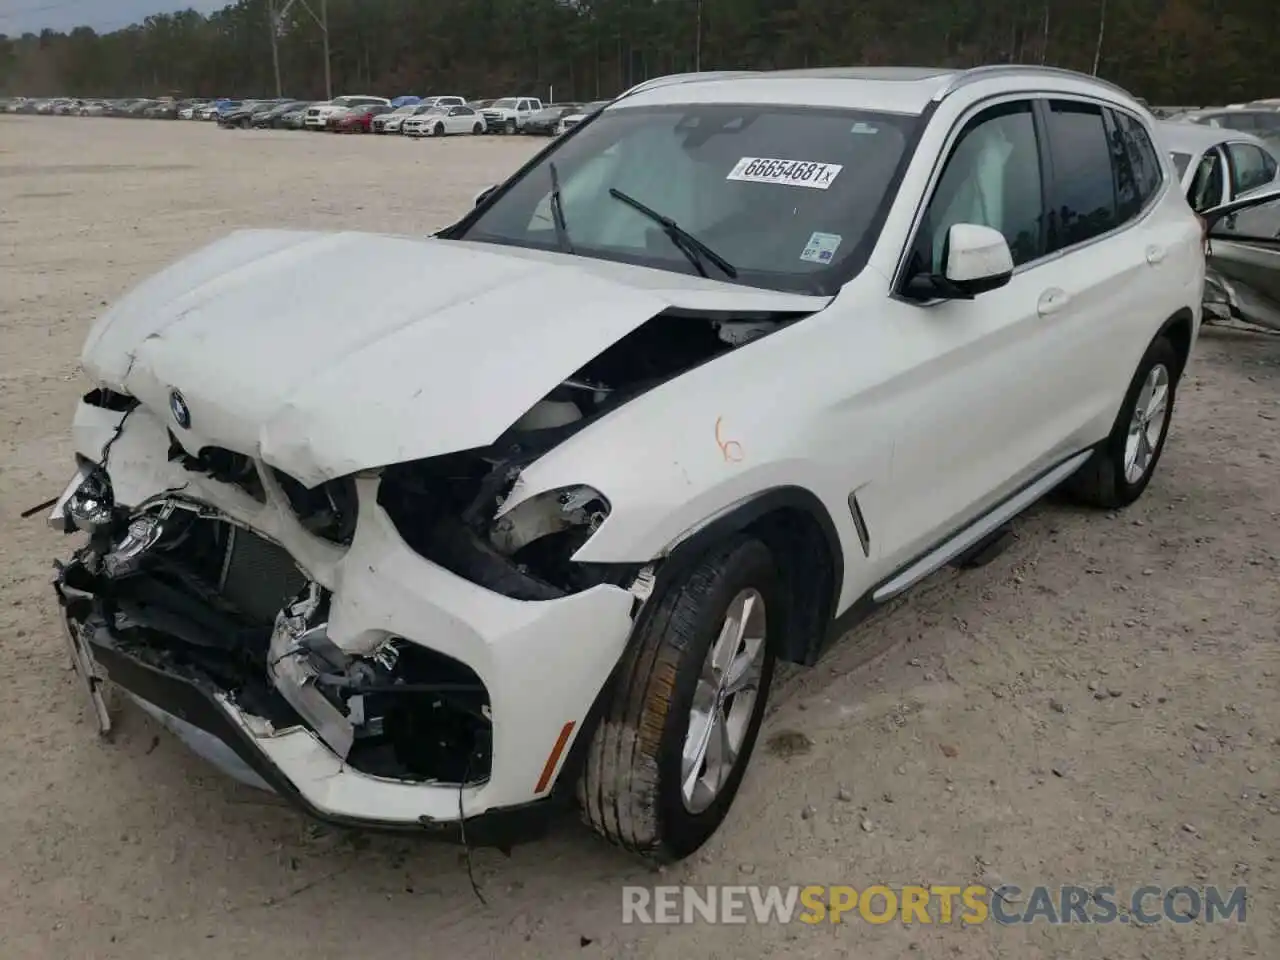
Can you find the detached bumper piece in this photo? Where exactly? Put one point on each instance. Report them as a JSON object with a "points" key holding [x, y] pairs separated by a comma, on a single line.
{"points": [[216, 633]]}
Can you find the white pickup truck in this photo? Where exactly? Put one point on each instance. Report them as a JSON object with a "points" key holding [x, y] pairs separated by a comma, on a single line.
{"points": [[509, 114], [318, 115]]}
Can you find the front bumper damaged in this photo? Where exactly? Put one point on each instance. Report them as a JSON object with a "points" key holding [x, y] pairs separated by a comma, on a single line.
{"points": [[362, 682]]}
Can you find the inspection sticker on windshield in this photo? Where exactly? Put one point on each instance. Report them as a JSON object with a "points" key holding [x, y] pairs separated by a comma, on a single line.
{"points": [[821, 247], [793, 173]]}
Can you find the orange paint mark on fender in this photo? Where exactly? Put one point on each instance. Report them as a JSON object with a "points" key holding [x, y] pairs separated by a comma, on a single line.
{"points": [[554, 759], [731, 450]]}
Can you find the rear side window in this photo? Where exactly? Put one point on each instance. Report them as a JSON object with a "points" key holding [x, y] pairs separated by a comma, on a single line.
{"points": [[1084, 181]]}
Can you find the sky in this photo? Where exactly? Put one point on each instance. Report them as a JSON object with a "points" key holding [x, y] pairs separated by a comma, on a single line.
{"points": [[23, 16]]}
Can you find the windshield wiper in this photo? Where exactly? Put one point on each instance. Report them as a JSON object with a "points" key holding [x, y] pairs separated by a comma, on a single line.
{"points": [[685, 242], [557, 210]]}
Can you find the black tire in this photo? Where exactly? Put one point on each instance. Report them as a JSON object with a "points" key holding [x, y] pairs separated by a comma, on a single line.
{"points": [[1102, 481], [246, 123], [439, 130], [510, 128], [630, 786], [478, 128]]}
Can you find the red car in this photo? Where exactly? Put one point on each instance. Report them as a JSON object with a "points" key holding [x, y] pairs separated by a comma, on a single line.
{"points": [[356, 119]]}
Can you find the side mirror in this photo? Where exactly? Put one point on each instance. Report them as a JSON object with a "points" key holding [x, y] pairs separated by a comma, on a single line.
{"points": [[975, 259], [480, 197]]}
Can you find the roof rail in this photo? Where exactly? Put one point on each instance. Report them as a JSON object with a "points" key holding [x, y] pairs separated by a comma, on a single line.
{"points": [[974, 74], [674, 78]]}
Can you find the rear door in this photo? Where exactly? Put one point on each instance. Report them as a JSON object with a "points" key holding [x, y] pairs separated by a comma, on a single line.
{"points": [[1113, 250]]}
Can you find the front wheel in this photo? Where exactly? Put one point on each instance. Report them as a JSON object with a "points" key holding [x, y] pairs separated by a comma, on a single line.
{"points": [[511, 126], [675, 737], [1121, 468], [439, 130], [478, 128]]}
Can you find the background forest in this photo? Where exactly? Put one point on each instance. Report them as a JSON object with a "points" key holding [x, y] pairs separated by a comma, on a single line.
{"points": [[1168, 51]]}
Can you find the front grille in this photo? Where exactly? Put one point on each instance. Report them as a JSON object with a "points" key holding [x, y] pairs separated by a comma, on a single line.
{"points": [[258, 577]]}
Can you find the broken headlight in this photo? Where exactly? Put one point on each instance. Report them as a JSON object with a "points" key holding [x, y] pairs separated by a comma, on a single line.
{"points": [[87, 504], [578, 510]]}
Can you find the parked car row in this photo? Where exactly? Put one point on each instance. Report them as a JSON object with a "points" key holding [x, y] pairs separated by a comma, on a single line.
{"points": [[432, 116]]}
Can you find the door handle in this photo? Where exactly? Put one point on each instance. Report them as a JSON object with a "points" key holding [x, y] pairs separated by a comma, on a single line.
{"points": [[1051, 301], [1155, 254]]}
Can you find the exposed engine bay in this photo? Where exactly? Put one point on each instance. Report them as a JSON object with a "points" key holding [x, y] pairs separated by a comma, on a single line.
{"points": [[178, 585], [445, 507]]}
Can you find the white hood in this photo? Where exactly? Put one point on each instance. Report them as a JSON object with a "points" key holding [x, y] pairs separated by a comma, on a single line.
{"points": [[328, 353]]}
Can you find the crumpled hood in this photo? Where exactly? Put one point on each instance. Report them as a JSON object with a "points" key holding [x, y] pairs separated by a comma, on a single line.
{"points": [[328, 353]]}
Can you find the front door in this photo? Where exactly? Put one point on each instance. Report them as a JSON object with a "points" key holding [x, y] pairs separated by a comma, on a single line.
{"points": [[974, 389], [1244, 254]]}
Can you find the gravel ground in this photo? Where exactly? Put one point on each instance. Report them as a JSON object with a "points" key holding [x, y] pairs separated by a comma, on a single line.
{"points": [[1096, 706]]}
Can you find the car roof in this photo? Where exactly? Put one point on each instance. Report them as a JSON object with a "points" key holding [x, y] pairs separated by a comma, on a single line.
{"points": [[1194, 138], [892, 89]]}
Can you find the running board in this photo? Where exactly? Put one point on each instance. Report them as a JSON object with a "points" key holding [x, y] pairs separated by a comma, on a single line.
{"points": [[980, 529]]}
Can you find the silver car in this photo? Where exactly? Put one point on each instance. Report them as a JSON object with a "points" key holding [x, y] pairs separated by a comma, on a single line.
{"points": [[1220, 167]]}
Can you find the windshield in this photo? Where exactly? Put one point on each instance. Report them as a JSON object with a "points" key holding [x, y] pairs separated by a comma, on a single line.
{"points": [[507, 104], [790, 196], [1180, 162], [406, 110]]}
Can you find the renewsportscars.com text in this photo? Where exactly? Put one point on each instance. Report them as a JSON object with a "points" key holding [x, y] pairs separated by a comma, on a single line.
{"points": [[938, 904]]}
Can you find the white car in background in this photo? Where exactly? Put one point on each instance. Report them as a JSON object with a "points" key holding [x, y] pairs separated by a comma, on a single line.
{"points": [[1219, 166], [444, 100], [441, 121], [390, 122], [509, 114], [573, 119], [317, 115], [694, 392], [396, 120]]}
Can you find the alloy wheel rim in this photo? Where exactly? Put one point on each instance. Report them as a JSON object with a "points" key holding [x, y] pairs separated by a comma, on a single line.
{"points": [[723, 702], [1148, 423]]}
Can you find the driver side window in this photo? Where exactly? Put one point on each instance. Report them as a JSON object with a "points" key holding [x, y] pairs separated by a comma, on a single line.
{"points": [[992, 178]]}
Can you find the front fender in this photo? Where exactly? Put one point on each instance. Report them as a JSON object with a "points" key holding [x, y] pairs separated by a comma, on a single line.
{"points": [[659, 500]]}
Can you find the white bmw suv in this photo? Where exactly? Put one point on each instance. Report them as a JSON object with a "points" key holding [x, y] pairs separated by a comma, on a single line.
{"points": [[736, 360]]}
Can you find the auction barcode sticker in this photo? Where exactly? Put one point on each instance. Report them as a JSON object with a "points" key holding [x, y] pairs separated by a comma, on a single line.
{"points": [[793, 173]]}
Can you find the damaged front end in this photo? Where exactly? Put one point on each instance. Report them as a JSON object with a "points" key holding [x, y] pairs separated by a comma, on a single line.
{"points": [[411, 645], [305, 642], [177, 588]]}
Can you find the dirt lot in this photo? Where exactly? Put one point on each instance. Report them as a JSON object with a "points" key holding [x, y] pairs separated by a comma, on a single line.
{"points": [[1099, 705]]}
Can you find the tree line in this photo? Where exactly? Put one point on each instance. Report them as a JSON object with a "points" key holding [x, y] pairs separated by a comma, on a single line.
{"points": [[1190, 52]]}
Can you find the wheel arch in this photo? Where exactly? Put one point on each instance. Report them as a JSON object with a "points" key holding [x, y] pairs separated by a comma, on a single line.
{"points": [[796, 526], [1179, 330]]}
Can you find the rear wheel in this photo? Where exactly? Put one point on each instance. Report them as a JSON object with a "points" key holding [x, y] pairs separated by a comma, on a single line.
{"points": [[478, 128], [673, 743], [1121, 468]]}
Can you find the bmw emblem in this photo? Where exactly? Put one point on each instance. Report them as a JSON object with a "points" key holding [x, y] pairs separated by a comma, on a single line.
{"points": [[178, 407]]}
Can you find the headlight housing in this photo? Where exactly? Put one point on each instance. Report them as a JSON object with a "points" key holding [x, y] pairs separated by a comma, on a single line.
{"points": [[578, 509]]}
